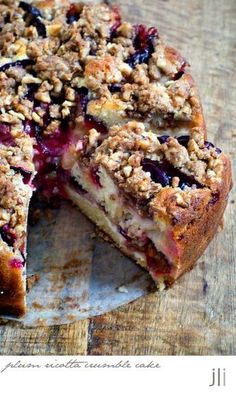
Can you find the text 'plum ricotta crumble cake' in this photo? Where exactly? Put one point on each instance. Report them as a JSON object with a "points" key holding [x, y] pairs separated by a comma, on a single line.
{"points": [[103, 113]]}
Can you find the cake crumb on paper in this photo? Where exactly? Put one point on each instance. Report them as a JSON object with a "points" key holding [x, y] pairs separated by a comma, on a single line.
{"points": [[122, 289]]}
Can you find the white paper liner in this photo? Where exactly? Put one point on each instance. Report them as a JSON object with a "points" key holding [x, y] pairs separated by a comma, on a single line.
{"points": [[79, 274]]}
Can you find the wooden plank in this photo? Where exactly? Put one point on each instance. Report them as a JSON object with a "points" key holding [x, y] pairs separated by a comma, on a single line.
{"points": [[56, 340]]}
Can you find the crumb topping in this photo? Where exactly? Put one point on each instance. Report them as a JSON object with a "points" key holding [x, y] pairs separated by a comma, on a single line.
{"points": [[78, 83]]}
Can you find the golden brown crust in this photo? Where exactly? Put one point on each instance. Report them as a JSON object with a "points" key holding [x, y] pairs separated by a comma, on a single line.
{"points": [[193, 240]]}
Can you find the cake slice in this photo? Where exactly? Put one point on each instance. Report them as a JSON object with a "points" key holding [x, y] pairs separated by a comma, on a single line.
{"points": [[105, 114], [160, 199]]}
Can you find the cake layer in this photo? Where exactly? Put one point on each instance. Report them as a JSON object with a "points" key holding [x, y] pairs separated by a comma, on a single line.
{"points": [[160, 199]]}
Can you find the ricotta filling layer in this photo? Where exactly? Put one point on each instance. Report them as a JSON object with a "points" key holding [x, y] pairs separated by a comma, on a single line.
{"points": [[146, 241]]}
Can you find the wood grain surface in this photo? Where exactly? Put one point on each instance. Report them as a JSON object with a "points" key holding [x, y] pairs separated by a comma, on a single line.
{"points": [[197, 316]]}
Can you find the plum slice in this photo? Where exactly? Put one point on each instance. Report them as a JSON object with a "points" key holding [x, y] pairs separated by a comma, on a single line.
{"points": [[116, 23], [144, 45], [19, 63], [7, 235]]}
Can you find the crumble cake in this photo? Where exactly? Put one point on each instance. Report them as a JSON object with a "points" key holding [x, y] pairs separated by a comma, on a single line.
{"points": [[103, 113]]}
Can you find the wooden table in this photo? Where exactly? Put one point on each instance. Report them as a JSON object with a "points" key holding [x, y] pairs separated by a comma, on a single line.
{"points": [[196, 316]]}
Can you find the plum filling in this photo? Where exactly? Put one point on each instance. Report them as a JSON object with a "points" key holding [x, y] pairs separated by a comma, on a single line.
{"points": [[95, 177], [157, 263], [163, 138], [115, 88], [209, 145], [163, 173], [5, 135], [117, 23], [48, 150], [51, 184], [124, 234], [143, 44], [215, 198], [16, 263], [33, 11], [73, 13], [93, 122], [7, 235], [32, 88], [81, 102], [26, 175], [33, 16], [19, 63], [184, 139]]}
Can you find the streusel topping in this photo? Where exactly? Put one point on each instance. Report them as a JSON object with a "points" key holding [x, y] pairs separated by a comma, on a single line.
{"points": [[76, 79], [56, 45]]}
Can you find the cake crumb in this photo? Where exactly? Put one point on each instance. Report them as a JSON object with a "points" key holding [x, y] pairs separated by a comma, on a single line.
{"points": [[122, 289]]}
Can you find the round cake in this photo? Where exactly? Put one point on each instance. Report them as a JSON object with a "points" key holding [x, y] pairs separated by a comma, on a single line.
{"points": [[103, 113]]}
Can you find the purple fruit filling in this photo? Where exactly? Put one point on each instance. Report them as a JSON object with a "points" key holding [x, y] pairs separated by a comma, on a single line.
{"points": [[144, 45], [163, 138], [157, 171], [93, 122], [81, 101], [51, 184], [5, 135], [95, 177], [7, 235], [209, 145], [143, 36], [115, 88], [163, 173], [48, 151], [16, 263], [19, 63], [117, 23], [33, 16], [30, 9], [73, 14], [124, 234], [183, 140], [32, 88], [24, 173]]}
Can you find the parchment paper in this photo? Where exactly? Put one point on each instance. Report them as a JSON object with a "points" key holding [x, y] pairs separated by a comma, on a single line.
{"points": [[79, 274]]}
